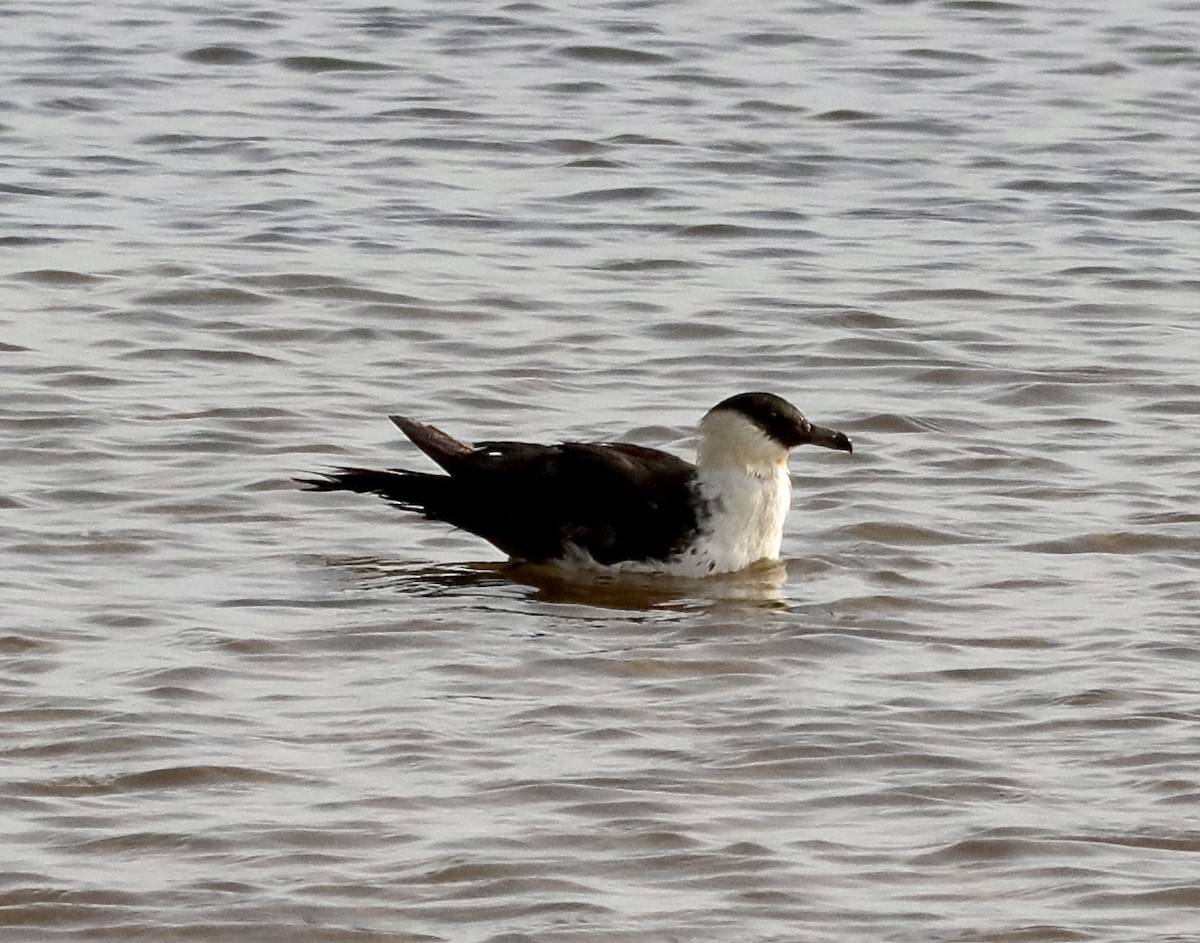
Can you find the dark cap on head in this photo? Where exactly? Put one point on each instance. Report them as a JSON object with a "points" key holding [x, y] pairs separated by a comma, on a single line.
{"points": [[783, 422]]}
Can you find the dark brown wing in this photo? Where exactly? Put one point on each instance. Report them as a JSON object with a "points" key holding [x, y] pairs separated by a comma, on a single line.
{"points": [[623, 502], [442, 448], [616, 501]]}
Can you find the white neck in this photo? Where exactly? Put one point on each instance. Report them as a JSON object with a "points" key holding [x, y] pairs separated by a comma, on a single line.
{"points": [[743, 478], [729, 440]]}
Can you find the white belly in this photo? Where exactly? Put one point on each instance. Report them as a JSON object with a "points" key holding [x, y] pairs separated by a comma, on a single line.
{"points": [[746, 513]]}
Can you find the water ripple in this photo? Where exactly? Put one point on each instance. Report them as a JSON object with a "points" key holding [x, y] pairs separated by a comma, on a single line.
{"points": [[962, 707]]}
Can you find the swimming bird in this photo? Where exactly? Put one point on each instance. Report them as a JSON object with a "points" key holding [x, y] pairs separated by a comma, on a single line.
{"points": [[613, 504]]}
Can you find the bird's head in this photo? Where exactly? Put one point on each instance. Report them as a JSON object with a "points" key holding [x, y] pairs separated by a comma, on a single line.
{"points": [[760, 429]]}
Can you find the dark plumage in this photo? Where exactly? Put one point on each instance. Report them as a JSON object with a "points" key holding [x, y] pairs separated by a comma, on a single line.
{"points": [[614, 501]]}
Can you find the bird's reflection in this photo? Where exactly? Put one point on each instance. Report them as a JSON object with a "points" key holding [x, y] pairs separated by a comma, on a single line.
{"points": [[757, 586]]}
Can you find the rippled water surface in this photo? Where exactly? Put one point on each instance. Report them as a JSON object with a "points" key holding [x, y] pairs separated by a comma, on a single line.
{"points": [[233, 238]]}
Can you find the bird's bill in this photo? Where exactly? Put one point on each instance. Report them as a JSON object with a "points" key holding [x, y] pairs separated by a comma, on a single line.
{"points": [[831, 439]]}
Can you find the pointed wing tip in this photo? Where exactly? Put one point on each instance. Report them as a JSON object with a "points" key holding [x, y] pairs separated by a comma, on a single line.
{"points": [[405, 424], [431, 440]]}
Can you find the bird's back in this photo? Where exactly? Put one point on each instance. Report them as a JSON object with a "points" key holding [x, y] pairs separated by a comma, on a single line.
{"points": [[610, 502]]}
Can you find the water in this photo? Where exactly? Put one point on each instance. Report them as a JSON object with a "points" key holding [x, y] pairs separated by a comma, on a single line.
{"points": [[233, 239]]}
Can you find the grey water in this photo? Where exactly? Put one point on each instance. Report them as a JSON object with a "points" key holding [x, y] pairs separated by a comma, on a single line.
{"points": [[234, 238]]}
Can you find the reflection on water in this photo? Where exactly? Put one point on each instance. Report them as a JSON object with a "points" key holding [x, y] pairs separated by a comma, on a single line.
{"points": [[757, 586]]}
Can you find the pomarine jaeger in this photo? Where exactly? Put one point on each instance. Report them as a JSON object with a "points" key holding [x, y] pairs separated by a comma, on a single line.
{"points": [[613, 504]]}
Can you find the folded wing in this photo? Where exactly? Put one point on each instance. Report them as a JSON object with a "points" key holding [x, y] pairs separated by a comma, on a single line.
{"points": [[613, 501]]}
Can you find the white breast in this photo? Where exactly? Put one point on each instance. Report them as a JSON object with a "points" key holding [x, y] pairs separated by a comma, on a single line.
{"points": [[742, 521], [744, 495], [746, 516]]}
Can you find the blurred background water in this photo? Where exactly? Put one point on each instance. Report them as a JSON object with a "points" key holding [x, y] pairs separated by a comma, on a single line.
{"points": [[232, 239]]}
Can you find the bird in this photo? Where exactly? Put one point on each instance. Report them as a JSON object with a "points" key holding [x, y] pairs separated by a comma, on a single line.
{"points": [[612, 505]]}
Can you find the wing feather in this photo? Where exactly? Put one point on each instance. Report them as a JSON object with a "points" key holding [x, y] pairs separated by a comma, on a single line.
{"points": [[614, 501]]}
